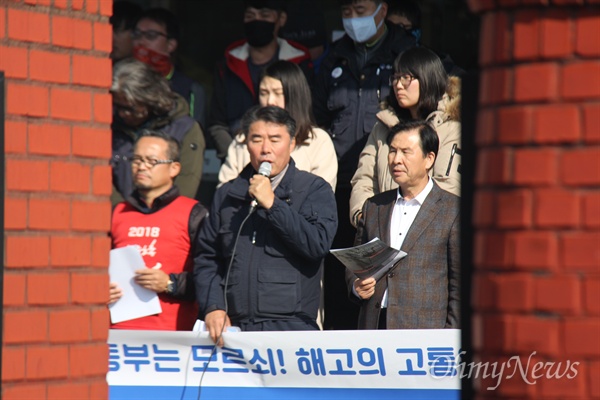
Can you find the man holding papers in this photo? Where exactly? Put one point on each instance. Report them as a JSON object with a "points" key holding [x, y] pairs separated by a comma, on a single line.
{"points": [[163, 224], [422, 290]]}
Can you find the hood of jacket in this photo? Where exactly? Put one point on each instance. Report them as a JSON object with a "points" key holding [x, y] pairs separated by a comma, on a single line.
{"points": [[388, 117], [449, 105], [236, 57]]}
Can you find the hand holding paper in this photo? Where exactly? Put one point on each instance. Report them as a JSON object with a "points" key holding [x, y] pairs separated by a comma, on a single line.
{"points": [[372, 259], [136, 301]]}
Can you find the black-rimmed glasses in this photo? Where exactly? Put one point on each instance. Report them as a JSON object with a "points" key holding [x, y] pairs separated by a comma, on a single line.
{"points": [[148, 162], [404, 79]]}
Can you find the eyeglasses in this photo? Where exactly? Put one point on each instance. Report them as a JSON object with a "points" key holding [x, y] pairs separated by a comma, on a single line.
{"points": [[405, 79], [148, 162], [151, 35], [128, 111]]}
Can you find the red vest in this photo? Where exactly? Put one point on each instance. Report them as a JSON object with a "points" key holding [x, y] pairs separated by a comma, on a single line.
{"points": [[164, 240]]}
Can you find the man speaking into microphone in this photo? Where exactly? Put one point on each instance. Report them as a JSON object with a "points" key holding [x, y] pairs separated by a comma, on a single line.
{"points": [[262, 245]]}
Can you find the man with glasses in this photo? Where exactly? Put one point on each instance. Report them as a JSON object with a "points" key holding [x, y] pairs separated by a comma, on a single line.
{"points": [[163, 225], [237, 77], [155, 40], [142, 99], [353, 81]]}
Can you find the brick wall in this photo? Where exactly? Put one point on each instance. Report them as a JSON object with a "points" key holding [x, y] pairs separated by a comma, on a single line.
{"points": [[537, 202], [57, 213]]}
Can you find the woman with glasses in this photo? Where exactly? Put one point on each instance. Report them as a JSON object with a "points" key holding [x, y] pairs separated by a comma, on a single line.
{"points": [[421, 90], [142, 100], [283, 85]]}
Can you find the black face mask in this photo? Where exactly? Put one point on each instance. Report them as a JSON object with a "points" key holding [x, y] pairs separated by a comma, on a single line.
{"points": [[259, 33]]}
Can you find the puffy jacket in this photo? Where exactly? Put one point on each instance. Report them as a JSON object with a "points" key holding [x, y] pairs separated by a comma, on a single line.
{"points": [[373, 176], [178, 124], [346, 98], [233, 89], [316, 156], [277, 264]]}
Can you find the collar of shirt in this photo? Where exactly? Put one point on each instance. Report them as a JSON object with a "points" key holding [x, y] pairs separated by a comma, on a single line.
{"points": [[277, 179], [420, 198], [404, 213]]}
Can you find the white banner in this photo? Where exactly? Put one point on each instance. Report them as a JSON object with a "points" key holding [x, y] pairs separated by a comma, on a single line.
{"points": [[418, 364]]}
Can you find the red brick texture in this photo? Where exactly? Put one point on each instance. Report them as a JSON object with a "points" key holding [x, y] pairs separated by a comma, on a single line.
{"points": [[55, 56], [536, 284]]}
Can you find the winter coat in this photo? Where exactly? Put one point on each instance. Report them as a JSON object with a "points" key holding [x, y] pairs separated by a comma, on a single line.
{"points": [[276, 268], [346, 98], [373, 176]]}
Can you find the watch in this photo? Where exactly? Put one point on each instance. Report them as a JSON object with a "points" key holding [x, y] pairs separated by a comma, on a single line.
{"points": [[170, 287]]}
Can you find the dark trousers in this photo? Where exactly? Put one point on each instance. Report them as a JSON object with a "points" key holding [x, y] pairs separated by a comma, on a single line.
{"points": [[292, 324], [382, 324]]}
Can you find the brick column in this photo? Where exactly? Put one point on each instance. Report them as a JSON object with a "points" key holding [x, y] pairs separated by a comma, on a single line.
{"points": [[57, 211], [537, 201]]}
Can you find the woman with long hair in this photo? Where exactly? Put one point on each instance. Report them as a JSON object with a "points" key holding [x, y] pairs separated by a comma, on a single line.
{"points": [[283, 85], [421, 90]]}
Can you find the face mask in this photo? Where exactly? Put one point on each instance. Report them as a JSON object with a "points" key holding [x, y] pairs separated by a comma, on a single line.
{"points": [[361, 29], [259, 33], [160, 62]]}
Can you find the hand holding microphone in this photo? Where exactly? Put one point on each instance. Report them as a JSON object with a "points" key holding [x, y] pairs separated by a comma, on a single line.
{"points": [[260, 187]]}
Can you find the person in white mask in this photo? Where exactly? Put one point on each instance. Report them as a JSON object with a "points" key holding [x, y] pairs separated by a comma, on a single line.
{"points": [[352, 82]]}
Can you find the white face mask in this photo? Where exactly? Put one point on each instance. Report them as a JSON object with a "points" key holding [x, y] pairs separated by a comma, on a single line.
{"points": [[361, 29]]}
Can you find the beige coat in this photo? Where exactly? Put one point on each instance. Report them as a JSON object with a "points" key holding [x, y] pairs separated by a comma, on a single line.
{"points": [[373, 176], [316, 155]]}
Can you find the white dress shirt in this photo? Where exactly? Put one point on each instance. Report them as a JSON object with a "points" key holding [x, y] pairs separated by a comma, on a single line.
{"points": [[404, 214]]}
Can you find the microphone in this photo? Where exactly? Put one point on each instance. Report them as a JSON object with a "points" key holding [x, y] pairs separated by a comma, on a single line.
{"points": [[265, 170]]}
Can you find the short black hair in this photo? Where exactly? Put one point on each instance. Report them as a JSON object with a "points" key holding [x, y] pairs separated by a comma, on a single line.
{"points": [[430, 142], [166, 18], [272, 114], [409, 8], [346, 2], [125, 15], [173, 149], [277, 5]]}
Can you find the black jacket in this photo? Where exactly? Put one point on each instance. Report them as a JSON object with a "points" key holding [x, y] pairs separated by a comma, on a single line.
{"points": [[346, 97], [276, 269]]}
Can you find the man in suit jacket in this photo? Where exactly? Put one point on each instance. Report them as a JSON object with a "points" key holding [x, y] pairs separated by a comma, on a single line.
{"points": [[422, 291]]}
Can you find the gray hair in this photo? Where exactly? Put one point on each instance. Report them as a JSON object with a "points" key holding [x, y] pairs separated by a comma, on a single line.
{"points": [[139, 83]]}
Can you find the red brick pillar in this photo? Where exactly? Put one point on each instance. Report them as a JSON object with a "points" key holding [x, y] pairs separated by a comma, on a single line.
{"points": [[537, 201], [57, 212]]}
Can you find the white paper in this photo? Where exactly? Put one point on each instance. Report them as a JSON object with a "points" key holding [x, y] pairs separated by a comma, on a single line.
{"points": [[374, 258], [137, 301]]}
